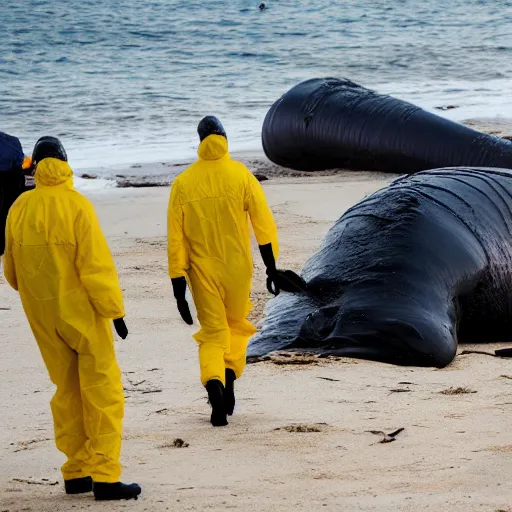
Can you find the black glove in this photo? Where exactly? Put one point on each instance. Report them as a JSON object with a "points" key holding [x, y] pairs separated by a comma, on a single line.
{"points": [[280, 280], [179, 286], [268, 259], [121, 329]]}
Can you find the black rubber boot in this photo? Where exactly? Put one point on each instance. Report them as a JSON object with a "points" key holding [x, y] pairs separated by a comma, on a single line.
{"points": [[78, 485], [216, 397], [116, 492], [229, 392]]}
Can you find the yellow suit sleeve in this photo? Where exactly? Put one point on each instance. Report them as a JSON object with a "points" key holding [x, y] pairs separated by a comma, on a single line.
{"points": [[9, 267], [96, 266], [262, 220], [177, 251]]}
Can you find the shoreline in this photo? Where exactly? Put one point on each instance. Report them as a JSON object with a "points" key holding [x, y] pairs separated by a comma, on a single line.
{"points": [[162, 174]]}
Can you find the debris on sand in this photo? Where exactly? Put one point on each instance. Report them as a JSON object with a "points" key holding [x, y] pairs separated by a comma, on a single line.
{"points": [[137, 388], [303, 428], [506, 448], [446, 107], [293, 359], [35, 481], [24, 445], [480, 352], [456, 391], [135, 384], [386, 438], [177, 443]]}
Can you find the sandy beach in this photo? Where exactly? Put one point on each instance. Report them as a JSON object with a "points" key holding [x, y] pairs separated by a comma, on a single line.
{"points": [[300, 438]]}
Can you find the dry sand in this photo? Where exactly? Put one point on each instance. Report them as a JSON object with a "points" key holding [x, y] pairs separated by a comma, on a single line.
{"points": [[299, 440]]}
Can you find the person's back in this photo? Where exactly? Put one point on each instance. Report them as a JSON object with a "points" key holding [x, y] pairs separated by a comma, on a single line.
{"points": [[44, 225], [43, 231], [215, 195]]}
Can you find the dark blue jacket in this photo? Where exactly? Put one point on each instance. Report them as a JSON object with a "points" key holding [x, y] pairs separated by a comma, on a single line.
{"points": [[12, 178]]}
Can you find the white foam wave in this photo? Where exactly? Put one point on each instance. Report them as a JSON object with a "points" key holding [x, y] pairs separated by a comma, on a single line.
{"points": [[486, 99], [94, 185]]}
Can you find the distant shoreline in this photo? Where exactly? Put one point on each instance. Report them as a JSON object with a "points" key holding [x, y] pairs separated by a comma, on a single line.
{"points": [[146, 177]]}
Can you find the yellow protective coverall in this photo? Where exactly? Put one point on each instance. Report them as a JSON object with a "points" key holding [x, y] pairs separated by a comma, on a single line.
{"points": [[58, 259], [209, 243]]}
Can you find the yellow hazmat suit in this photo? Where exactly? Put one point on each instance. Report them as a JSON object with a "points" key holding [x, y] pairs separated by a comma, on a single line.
{"points": [[209, 242], [58, 259]]}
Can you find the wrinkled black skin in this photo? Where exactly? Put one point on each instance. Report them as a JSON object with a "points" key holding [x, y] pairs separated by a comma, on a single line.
{"points": [[406, 274], [328, 123]]}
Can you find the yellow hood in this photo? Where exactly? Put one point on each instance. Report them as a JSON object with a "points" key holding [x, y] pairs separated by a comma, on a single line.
{"points": [[51, 172], [214, 147]]}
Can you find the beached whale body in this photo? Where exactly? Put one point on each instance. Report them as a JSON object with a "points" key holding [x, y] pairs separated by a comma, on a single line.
{"points": [[329, 123], [406, 274]]}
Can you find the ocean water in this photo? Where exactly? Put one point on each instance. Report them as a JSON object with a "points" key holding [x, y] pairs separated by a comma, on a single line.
{"points": [[127, 81]]}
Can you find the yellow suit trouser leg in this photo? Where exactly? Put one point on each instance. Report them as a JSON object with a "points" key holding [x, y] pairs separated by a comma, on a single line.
{"points": [[238, 307], [88, 404], [67, 413], [70, 438], [225, 330], [214, 337], [103, 402]]}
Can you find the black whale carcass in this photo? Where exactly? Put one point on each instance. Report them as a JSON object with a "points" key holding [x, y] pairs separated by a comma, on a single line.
{"points": [[328, 123], [406, 274]]}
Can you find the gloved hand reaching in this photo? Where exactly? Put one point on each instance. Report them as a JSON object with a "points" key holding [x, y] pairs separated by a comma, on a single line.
{"points": [[179, 286], [120, 327], [278, 280], [268, 259]]}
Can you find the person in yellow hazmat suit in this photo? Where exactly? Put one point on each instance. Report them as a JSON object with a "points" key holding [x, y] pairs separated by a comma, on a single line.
{"points": [[209, 244], [58, 259]]}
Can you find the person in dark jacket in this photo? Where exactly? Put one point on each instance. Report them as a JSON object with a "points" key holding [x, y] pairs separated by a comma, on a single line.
{"points": [[15, 177]]}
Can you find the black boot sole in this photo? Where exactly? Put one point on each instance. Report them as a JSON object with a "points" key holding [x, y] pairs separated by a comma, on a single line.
{"points": [[219, 421], [122, 492], [117, 498]]}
